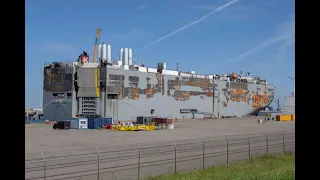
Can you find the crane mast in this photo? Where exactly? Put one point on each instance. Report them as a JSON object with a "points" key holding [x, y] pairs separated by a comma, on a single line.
{"points": [[96, 44]]}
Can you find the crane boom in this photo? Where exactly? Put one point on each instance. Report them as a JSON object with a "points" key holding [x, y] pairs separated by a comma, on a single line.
{"points": [[95, 45]]}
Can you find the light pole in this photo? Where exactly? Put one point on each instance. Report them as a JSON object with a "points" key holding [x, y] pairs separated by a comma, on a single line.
{"points": [[293, 84]]}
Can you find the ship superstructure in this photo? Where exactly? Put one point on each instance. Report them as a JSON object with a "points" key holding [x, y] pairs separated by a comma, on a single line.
{"points": [[122, 90]]}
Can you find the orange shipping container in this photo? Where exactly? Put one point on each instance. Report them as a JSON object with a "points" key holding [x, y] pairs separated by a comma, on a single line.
{"points": [[283, 117], [293, 117]]}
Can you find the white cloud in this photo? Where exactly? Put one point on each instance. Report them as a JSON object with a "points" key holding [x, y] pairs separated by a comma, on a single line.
{"points": [[285, 33], [287, 26], [286, 45], [218, 9], [239, 11], [283, 49], [261, 46], [238, 8]]}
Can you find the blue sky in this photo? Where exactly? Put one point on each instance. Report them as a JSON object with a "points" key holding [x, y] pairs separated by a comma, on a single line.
{"points": [[249, 35]]}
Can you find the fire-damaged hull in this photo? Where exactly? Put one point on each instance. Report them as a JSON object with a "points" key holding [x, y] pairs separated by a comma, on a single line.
{"points": [[72, 91]]}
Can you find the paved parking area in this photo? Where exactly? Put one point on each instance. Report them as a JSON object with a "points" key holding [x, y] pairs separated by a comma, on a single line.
{"points": [[43, 138]]}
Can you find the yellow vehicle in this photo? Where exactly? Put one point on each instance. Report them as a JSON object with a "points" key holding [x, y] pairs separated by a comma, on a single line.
{"points": [[129, 126], [151, 127]]}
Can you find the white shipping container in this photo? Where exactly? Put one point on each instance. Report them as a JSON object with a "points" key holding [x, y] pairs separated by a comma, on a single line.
{"points": [[79, 123]]}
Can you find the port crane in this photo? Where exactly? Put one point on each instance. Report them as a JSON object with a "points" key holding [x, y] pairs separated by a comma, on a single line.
{"points": [[96, 44]]}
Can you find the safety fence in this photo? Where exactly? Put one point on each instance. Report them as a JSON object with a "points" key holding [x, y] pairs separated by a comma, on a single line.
{"points": [[137, 161]]}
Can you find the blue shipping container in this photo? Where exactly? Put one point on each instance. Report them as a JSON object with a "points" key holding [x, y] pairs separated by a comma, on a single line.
{"points": [[96, 123], [107, 120]]}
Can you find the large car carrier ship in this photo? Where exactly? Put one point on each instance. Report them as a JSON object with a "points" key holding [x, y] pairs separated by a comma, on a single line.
{"points": [[123, 90]]}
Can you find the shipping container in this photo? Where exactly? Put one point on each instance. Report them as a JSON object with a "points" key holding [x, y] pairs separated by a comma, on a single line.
{"points": [[283, 117], [145, 120], [160, 120], [107, 120], [96, 123], [79, 123]]}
